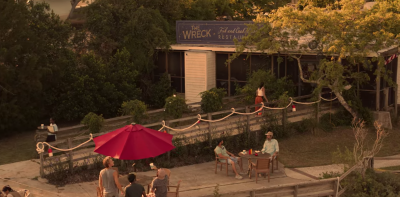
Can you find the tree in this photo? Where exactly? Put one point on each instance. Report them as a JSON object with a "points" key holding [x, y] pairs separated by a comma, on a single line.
{"points": [[32, 43], [343, 32]]}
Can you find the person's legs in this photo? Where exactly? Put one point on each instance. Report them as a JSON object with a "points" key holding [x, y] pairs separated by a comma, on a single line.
{"points": [[232, 162]]}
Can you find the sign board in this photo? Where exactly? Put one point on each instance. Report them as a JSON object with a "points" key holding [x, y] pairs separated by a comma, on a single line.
{"points": [[210, 32]]}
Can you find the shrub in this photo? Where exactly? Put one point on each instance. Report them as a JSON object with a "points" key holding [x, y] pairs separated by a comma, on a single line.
{"points": [[211, 100], [160, 91], [272, 124], [175, 106], [135, 108], [93, 122], [355, 103], [305, 125], [374, 184], [273, 87], [328, 175]]}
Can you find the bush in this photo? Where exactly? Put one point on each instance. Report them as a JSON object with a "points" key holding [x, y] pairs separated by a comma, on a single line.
{"points": [[272, 124], [175, 106], [160, 91], [305, 125], [356, 104], [135, 108], [273, 87], [93, 122], [211, 100], [374, 184]]}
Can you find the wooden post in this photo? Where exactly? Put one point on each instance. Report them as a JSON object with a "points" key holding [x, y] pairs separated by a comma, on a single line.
{"points": [[335, 186], [209, 117], [70, 157], [296, 190], [248, 122], [169, 152], [41, 165], [386, 93], [253, 193], [284, 119]]}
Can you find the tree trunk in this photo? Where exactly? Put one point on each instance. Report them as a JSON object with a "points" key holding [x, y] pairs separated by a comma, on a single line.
{"points": [[74, 3], [346, 105]]}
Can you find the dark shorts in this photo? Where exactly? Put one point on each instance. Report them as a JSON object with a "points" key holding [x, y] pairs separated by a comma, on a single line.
{"points": [[51, 138]]}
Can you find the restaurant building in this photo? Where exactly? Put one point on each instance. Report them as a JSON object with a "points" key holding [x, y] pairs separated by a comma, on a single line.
{"points": [[198, 62]]}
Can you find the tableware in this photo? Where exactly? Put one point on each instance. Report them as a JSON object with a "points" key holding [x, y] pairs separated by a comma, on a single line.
{"points": [[42, 126], [256, 154]]}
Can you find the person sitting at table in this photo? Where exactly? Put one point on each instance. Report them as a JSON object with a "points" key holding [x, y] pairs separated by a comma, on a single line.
{"points": [[223, 154], [51, 135], [8, 192], [271, 146], [160, 184], [134, 189]]}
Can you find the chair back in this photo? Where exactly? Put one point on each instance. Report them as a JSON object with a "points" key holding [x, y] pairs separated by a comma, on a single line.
{"points": [[262, 164], [177, 187]]}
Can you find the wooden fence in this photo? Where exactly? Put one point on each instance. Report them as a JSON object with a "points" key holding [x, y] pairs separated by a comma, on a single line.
{"points": [[202, 132]]}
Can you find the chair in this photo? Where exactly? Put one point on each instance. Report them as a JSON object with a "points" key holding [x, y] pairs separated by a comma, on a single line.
{"points": [[174, 193], [167, 172], [276, 163], [217, 161], [261, 166]]}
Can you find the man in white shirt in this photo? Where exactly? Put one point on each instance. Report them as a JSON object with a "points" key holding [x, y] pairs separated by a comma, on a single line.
{"points": [[51, 137], [271, 146]]}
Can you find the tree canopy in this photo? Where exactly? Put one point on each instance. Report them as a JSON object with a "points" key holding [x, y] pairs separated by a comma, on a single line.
{"points": [[344, 32]]}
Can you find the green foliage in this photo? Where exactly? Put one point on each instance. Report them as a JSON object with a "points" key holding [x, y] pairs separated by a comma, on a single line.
{"points": [[272, 123], [134, 108], [355, 102], [200, 10], [211, 100], [331, 174], [305, 125], [175, 106], [274, 88], [216, 191], [373, 184], [93, 122], [160, 91], [340, 157]]}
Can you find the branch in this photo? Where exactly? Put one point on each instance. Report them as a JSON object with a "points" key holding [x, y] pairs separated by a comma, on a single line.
{"points": [[301, 71], [1, 87]]}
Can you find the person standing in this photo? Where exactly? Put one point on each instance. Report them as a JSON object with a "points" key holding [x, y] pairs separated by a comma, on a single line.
{"points": [[134, 189], [51, 133], [108, 179], [260, 94]]}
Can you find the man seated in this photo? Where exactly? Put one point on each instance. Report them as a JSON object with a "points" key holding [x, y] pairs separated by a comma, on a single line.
{"points": [[134, 189], [271, 146], [232, 160]]}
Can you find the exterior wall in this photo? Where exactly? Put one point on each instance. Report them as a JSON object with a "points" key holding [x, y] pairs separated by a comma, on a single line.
{"points": [[211, 70], [199, 74]]}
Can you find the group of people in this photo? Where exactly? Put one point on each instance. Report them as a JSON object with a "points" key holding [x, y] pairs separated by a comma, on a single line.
{"points": [[109, 183], [270, 146]]}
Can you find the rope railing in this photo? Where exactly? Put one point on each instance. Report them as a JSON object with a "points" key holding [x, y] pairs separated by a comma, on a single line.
{"points": [[41, 149], [250, 113]]}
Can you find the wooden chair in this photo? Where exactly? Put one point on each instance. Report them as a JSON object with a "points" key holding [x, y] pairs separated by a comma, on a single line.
{"points": [[217, 161], [261, 166], [167, 172], [174, 193]]}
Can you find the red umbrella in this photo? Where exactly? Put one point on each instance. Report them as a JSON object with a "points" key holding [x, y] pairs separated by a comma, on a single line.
{"points": [[133, 142]]}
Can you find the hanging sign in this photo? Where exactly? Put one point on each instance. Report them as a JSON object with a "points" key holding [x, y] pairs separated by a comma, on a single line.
{"points": [[210, 32]]}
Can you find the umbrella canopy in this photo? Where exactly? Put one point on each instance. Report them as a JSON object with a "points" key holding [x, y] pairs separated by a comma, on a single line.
{"points": [[133, 142]]}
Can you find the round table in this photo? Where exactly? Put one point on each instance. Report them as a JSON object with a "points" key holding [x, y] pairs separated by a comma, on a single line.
{"points": [[252, 156]]}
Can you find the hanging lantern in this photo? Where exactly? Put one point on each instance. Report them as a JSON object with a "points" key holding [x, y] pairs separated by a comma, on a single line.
{"points": [[259, 113], [293, 108], [50, 152], [165, 131], [198, 122]]}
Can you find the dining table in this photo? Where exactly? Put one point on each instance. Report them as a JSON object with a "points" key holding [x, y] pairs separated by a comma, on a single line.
{"points": [[249, 157]]}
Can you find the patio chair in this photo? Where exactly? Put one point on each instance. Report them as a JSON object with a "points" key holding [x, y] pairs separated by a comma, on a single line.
{"points": [[217, 161], [276, 163], [261, 166], [174, 193], [167, 172]]}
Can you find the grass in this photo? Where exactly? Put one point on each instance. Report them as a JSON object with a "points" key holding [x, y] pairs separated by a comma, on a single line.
{"points": [[313, 150], [391, 168], [19, 147]]}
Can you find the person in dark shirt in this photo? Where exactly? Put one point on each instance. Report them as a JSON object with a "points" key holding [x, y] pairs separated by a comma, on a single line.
{"points": [[134, 189]]}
